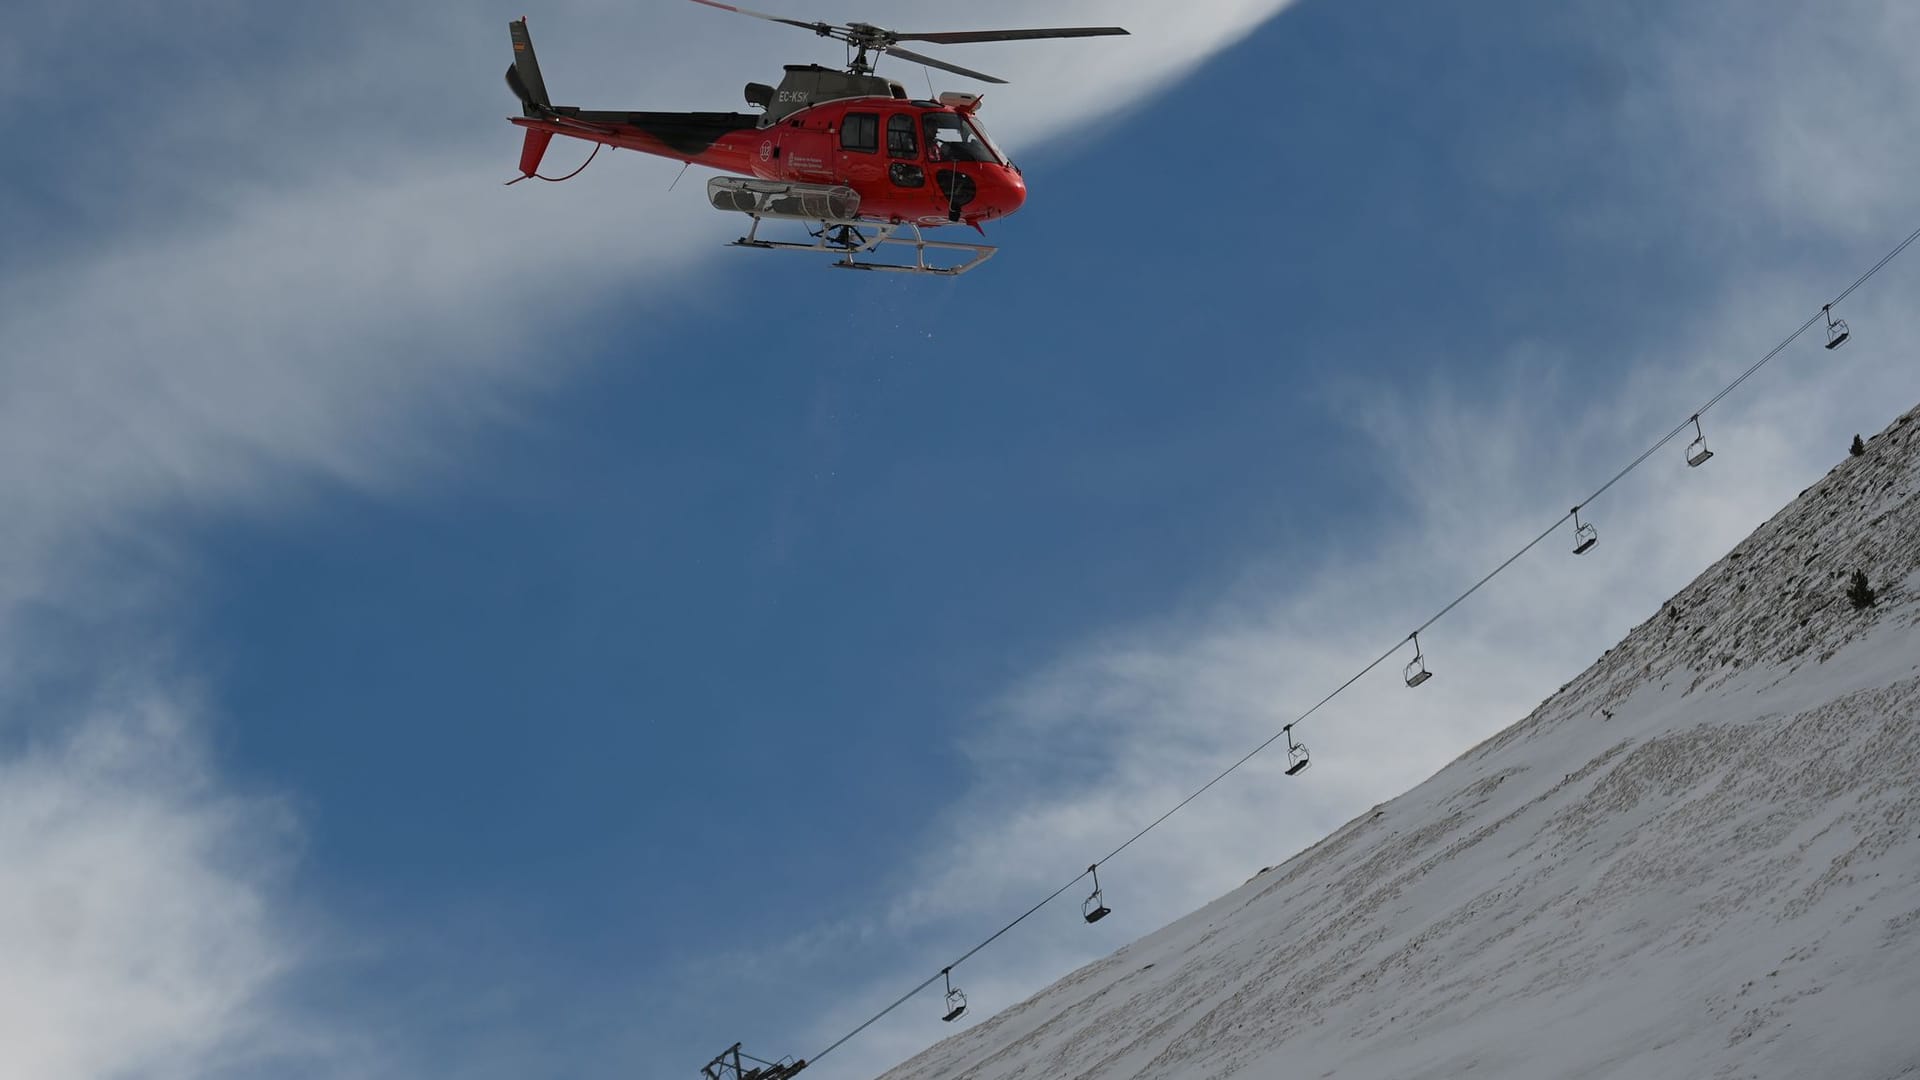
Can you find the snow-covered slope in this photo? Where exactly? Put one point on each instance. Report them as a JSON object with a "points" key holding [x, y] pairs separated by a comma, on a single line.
{"points": [[1701, 858]]}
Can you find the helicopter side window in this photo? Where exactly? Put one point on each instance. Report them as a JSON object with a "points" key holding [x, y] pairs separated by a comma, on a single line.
{"points": [[860, 131], [950, 138], [902, 140]]}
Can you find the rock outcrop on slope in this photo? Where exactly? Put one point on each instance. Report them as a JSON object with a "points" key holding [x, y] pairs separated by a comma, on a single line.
{"points": [[1701, 858]]}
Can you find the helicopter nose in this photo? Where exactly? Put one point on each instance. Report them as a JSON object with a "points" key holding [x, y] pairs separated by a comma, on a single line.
{"points": [[1006, 193]]}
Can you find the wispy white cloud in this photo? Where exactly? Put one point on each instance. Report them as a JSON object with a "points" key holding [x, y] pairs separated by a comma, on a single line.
{"points": [[137, 915], [1803, 113]]}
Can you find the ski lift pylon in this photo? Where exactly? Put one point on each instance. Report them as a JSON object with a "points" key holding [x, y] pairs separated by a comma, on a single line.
{"points": [[731, 1065], [1697, 452], [1094, 908], [1296, 753], [1837, 332], [1416, 671], [956, 1001], [1584, 536]]}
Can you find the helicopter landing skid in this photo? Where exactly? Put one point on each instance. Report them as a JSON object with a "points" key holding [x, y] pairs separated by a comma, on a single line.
{"points": [[847, 240]]}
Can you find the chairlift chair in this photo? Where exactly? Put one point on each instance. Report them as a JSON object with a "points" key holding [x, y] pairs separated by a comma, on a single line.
{"points": [[1296, 754], [1584, 536], [1416, 671], [1697, 452], [956, 1001], [1094, 908], [1837, 332]]}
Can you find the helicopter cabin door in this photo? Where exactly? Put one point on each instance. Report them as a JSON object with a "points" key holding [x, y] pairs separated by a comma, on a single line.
{"points": [[862, 164], [807, 150], [904, 170]]}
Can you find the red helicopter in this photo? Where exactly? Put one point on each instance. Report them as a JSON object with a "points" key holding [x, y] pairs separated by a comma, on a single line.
{"points": [[847, 150]]}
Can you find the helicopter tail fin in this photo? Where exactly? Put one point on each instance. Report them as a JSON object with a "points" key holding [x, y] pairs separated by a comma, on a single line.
{"points": [[523, 78], [532, 150]]}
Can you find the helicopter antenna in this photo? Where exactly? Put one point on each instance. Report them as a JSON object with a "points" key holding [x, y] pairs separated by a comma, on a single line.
{"points": [[867, 42]]}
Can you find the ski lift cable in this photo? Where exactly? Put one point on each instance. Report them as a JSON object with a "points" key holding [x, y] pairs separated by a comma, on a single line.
{"points": [[944, 972], [1491, 574], [1751, 370], [1890, 256], [877, 1017], [1756, 366], [1848, 291], [1693, 420], [1055, 895], [1274, 738]]}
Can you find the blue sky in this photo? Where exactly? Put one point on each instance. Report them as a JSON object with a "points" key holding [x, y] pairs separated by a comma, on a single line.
{"points": [[501, 632]]}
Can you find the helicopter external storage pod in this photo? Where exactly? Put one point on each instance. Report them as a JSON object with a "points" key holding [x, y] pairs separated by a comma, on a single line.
{"points": [[769, 198]]}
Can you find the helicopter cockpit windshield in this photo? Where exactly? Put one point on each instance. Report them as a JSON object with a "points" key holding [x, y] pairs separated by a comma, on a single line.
{"points": [[952, 137]]}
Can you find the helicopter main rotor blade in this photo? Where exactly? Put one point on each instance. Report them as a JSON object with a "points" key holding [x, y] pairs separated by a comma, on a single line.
{"points": [[895, 50], [962, 37], [823, 29]]}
